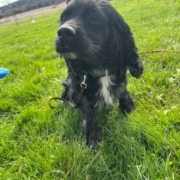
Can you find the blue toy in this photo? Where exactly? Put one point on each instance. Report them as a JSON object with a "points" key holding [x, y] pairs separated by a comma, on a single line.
{"points": [[3, 72]]}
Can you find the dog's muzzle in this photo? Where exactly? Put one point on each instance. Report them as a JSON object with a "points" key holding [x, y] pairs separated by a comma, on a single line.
{"points": [[66, 32]]}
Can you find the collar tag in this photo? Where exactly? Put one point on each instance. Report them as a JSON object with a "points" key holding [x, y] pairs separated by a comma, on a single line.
{"points": [[83, 83]]}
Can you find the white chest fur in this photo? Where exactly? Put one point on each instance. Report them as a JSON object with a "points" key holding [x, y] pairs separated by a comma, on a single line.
{"points": [[104, 91]]}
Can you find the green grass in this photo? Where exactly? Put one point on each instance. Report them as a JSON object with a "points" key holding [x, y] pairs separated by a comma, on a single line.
{"points": [[37, 142]]}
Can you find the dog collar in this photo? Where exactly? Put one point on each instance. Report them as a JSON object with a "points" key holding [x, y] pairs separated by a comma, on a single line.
{"points": [[83, 86]]}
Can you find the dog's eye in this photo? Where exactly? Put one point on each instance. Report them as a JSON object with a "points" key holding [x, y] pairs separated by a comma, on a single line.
{"points": [[63, 18], [94, 18]]}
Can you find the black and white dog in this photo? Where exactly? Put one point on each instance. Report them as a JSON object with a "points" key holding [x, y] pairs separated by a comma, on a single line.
{"points": [[98, 48]]}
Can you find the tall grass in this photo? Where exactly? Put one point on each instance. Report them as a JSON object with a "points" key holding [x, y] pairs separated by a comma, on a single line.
{"points": [[37, 142]]}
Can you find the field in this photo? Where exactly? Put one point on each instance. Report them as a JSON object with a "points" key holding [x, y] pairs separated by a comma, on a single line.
{"points": [[40, 143], [33, 13]]}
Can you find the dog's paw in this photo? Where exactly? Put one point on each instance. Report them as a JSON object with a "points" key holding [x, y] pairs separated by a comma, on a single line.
{"points": [[136, 70], [94, 139], [126, 104], [127, 108]]}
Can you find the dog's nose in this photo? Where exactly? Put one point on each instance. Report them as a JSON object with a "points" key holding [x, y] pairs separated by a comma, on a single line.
{"points": [[66, 32]]}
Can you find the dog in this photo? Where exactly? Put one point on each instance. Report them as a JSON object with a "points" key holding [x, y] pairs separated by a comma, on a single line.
{"points": [[98, 48]]}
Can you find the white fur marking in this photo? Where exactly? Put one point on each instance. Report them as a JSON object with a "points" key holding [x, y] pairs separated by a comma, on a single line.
{"points": [[72, 55], [84, 124], [104, 91]]}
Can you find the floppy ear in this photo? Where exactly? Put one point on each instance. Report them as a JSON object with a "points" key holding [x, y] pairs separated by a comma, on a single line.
{"points": [[125, 46]]}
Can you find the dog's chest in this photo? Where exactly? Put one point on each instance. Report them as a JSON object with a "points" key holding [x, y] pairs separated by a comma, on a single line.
{"points": [[104, 93]]}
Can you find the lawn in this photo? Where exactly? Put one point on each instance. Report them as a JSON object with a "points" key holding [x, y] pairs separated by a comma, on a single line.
{"points": [[40, 143]]}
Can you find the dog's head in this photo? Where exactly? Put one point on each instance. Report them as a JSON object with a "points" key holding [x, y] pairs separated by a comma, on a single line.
{"points": [[92, 30], [84, 28]]}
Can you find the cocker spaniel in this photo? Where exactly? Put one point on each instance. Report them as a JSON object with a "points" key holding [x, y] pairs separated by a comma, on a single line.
{"points": [[98, 48]]}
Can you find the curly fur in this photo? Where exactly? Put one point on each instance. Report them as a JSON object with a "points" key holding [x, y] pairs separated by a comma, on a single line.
{"points": [[94, 39]]}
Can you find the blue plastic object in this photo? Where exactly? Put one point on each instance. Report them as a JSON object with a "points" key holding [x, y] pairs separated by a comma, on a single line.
{"points": [[3, 72]]}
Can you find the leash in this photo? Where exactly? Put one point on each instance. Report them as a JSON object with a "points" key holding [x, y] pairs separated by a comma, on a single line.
{"points": [[160, 51], [83, 86]]}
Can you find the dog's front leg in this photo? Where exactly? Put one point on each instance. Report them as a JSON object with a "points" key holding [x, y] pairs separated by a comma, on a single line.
{"points": [[90, 125], [126, 103]]}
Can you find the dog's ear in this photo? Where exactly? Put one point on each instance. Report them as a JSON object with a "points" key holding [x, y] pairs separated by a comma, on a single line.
{"points": [[124, 46], [68, 1]]}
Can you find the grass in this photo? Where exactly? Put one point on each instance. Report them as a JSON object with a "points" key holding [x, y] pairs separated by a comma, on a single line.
{"points": [[37, 142]]}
